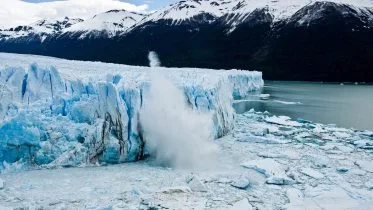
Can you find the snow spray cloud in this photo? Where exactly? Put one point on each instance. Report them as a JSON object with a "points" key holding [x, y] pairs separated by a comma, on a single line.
{"points": [[175, 134], [154, 59]]}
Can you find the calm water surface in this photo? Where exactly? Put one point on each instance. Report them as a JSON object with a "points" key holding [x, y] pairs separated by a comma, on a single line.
{"points": [[348, 105]]}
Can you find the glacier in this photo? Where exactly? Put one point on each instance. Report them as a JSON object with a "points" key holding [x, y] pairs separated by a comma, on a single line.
{"points": [[285, 167], [56, 112]]}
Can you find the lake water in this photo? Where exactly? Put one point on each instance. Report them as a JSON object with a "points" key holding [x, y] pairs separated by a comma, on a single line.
{"points": [[348, 105]]}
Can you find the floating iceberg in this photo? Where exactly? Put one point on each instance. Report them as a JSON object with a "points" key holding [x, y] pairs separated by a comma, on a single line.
{"points": [[64, 113]]}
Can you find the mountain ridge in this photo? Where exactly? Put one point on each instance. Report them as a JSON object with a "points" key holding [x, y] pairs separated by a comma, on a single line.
{"points": [[235, 12], [313, 40]]}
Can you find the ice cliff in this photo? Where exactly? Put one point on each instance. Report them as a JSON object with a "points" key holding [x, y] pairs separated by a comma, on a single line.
{"points": [[56, 112]]}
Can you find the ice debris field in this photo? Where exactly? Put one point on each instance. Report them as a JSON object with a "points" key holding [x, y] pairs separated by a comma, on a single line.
{"points": [[55, 114]]}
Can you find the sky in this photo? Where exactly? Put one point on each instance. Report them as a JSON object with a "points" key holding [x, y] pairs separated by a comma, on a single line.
{"points": [[22, 12]]}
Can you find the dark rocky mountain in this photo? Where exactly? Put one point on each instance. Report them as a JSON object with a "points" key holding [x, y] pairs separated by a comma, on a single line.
{"points": [[287, 40]]}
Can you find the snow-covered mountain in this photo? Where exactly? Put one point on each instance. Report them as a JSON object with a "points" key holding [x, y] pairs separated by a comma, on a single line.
{"points": [[41, 27], [278, 37], [239, 10], [111, 22], [234, 12], [318, 10]]}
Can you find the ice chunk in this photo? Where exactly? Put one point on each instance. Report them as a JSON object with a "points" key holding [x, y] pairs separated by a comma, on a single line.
{"points": [[319, 129], [334, 147], [283, 120], [342, 169], [175, 190], [196, 185], [321, 197], [364, 144], [365, 165], [292, 103], [294, 195], [287, 154], [2, 184], [241, 183], [274, 171], [242, 205], [341, 135], [358, 172], [296, 199], [367, 133], [369, 185], [264, 96], [312, 173], [280, 180], [263, 140], [268, 167]]}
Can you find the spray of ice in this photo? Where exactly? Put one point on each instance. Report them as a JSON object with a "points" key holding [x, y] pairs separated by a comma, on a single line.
{"points": [[175, 134], [154, 59]]}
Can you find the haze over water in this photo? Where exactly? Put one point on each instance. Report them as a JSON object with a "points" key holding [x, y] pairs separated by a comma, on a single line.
{"points": [[344, 105]]}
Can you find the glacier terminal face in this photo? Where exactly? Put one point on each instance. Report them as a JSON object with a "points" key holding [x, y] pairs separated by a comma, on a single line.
{"points": [[56, 112]]}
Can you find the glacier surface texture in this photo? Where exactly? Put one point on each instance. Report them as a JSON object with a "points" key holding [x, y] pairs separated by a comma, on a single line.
{"points": [[56, 112]]}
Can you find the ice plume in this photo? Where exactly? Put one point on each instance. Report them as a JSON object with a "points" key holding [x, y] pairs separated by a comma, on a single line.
{"points": [[154, 59], [174, 133]]}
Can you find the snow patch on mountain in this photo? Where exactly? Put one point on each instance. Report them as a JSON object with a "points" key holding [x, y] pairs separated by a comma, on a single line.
{"points": [[111, 22]]}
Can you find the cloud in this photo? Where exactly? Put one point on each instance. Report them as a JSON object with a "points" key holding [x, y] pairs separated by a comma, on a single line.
{"points": [[17, 12]]}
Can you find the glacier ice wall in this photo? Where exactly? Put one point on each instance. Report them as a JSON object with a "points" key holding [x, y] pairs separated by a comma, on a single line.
{"points": [[68, 113]]}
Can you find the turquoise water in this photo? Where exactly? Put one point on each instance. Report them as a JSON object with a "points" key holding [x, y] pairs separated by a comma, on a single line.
{"points": [[348, 105]]}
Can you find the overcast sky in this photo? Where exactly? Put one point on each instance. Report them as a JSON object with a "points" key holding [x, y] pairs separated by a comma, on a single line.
{"points": [[20, 12]]}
